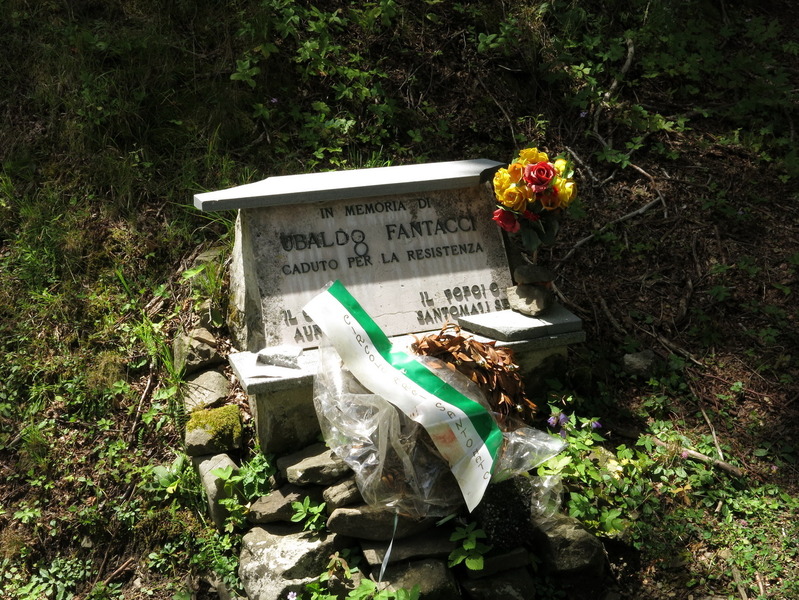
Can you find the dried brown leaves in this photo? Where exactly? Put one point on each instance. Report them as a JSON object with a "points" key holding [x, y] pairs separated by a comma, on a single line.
{"points": [[492, 368]]}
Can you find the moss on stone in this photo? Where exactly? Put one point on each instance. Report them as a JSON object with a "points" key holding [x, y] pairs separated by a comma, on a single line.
{"points": [[217, 421]]}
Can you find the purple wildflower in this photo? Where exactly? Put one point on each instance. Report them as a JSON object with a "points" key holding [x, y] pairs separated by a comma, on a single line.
{"points": [[292, 596], [558, 420], [596, 425]]}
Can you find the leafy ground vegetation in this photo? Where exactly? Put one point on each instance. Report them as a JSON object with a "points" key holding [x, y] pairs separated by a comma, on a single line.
{"points": [[681, 116]]}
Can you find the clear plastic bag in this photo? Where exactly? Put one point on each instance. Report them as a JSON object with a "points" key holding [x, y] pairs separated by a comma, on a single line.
{"points": [[395, 462], [524, 449], [546, 497]]}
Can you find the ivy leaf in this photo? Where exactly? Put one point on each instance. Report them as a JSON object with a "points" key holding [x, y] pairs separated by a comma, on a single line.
{"points": [[365, 590], [456, 557], [224, 473]]}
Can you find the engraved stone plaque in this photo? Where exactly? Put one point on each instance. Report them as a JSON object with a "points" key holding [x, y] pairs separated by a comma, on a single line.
{"points": [[414, 260]]}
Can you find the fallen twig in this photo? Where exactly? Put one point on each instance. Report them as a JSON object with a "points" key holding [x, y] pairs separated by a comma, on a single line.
{"points": [[736, 575], [611, 319], [123, 567], [612, 89], [712, 431], [672, 347], [743, 391], [760, 586], [500, 107], [635, 213], [582, 164], [654, 186], [724, 466], [698, 397], [564, 300], [145, 393]]}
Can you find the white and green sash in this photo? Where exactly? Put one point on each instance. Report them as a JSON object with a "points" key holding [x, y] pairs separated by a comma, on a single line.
{"points": [[463, 431]]}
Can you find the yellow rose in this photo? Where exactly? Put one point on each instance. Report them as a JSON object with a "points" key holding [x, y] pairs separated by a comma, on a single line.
{"points": [[561, 165], [531, 156], [550, 200], [514, 199], [527, 191], [567, 191], [515, 171], [501, 182]]}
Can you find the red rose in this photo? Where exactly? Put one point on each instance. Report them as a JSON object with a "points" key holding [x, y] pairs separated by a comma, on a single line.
{"points": [[506, 220], [539, 175]]}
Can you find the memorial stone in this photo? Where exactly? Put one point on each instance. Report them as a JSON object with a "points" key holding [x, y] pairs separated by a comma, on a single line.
{"points": [[415, 245]]}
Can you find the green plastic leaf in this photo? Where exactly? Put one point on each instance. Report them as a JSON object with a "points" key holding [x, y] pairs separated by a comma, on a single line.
{"points": [[551, 227], [530, 239]]}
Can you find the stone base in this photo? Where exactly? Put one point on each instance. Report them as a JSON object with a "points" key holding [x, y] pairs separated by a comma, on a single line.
{"points": [[281, 398], [281, 401]]}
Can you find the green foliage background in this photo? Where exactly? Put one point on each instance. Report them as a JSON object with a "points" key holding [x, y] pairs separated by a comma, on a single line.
{"points": [[114, 113]]}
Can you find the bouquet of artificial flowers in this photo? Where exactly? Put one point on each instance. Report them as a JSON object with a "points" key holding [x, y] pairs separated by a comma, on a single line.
{"points": [[531, 194]]}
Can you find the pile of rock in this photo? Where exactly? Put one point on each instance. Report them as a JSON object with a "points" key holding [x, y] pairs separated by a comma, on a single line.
{"points": [[278, 557]]}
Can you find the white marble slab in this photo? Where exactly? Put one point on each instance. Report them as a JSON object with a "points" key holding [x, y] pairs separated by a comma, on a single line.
{"points": [[348, 185], [509, 325], [256, 377]]}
